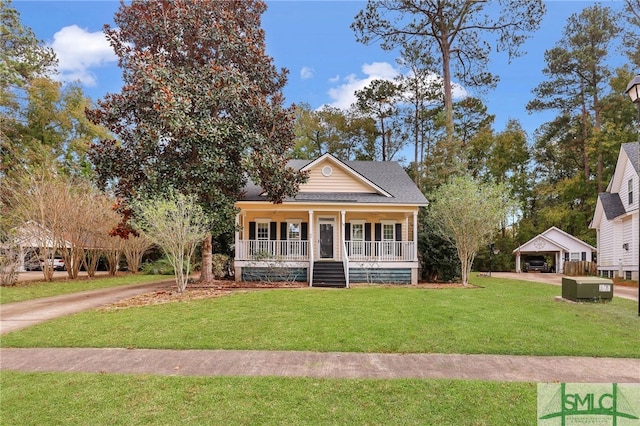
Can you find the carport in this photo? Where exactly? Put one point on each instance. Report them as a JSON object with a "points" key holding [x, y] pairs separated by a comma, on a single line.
{"points": [[558, 244]]}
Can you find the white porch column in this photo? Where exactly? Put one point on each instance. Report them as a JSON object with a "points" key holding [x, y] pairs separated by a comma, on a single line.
{"points": [[343, 230], [518, 270], [415, 236], [310, 242]]}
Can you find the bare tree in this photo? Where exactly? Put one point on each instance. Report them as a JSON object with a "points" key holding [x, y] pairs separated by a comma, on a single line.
{"points": [[176, 223], [35, 205], [133, 248]]}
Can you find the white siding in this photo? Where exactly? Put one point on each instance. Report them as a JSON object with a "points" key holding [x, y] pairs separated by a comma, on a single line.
{"points": [[606, 253], [629, 174]]}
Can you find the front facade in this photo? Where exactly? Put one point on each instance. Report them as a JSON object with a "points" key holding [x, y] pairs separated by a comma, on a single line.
{"points": [[616, 219], [556, 245], [351, 222]]}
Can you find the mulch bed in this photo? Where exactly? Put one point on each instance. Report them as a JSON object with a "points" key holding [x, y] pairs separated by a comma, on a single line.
{"points": [[219, 288]]}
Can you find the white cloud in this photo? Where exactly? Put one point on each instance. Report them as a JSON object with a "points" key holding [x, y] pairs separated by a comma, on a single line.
{"points": [[343, 95], [335, 79], [78, 51], [306, 73]]}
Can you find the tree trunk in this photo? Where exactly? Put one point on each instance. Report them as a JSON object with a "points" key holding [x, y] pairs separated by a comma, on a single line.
{"points": [[206, 270]]}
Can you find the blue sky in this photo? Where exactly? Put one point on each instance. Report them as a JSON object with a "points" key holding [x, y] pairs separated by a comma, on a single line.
{"points": [[312, 39]]}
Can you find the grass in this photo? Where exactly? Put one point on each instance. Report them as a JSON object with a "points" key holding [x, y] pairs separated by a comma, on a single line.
{"points": [[34, 290], [80, 399], [504, 317]]}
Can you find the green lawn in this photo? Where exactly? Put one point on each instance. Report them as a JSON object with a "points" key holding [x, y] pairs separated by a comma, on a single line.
{"points": [[82, 399], [504, 317], [34, 290]]}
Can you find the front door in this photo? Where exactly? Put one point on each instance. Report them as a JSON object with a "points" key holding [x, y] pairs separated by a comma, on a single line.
{"points": [[326, 238]]}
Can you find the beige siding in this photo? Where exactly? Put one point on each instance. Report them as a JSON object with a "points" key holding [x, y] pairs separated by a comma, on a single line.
{"points": [[339, 181]]}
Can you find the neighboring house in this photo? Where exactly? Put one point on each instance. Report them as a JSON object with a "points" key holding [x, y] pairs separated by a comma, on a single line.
{"points": [[353, 221], [558, 246], [616, 218]]}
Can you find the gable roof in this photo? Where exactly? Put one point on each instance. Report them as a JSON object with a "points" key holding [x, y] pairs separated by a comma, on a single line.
{"points": [[550, 236], [390, 184], [612, 205], [631, 149]]}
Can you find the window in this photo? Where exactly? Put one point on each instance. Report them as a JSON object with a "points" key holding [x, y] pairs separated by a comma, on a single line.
{"points": [[388, 238], [575, 257], [293, 231], [630, 191], [357, 238], [627, 275], [262, 230]]}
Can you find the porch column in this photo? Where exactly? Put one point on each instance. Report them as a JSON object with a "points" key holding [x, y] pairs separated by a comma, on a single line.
{"points": [[310, 242], [518, 270], [343, 231], [415, 236]]}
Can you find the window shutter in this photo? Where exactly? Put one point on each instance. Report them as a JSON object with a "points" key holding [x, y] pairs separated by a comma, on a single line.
{"points": [[347, 231], [584, 256], [367, 231], [304, 231], [398, 232], [378, 231], [273, 230], [283, 231], [252, 230]]}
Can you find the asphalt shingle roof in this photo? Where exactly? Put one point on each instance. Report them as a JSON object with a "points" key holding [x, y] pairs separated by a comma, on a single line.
{"points": [[632, 152], [612, 205], [387, 175]]}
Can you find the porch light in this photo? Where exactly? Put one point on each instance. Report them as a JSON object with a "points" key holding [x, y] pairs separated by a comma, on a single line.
{"points": [[633, 90]]}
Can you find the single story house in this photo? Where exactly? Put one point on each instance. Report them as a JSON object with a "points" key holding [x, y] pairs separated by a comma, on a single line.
{"points": [[616, 218], [352, 221], [558, 245]]}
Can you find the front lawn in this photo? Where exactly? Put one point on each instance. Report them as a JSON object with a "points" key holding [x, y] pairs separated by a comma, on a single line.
{"points": [[33, 290], [504, 317], [82, 399]]}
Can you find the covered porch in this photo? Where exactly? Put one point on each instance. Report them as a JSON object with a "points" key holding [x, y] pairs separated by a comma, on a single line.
{"points": [[367, 246]]}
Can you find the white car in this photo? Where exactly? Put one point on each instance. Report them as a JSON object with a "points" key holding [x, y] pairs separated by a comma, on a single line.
{"points": [[57, 262]]}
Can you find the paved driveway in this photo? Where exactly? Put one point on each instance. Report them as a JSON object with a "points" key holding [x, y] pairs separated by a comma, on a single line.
{"points": [[14, 316]]}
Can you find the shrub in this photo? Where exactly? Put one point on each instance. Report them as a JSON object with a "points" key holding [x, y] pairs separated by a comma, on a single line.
{"points": [[219, 265]]}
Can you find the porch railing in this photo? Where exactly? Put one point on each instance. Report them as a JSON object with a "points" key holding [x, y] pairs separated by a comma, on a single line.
{"points": [[270, 249], [358, 251], [380, 251]]}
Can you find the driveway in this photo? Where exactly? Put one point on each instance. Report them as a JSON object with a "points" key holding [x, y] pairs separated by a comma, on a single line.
{"points": [[15, 316], [624, 292]]}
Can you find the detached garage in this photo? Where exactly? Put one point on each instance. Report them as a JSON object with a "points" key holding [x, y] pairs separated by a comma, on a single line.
{"points": [[556, 245]]}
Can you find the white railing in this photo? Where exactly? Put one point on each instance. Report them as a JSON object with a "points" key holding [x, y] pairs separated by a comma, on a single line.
{"points": [[381, 251], [368, 251], [270, 249]]}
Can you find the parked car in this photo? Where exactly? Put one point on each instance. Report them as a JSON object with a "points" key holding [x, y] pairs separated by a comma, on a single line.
{"points": [[57, 262], [535, 263]]}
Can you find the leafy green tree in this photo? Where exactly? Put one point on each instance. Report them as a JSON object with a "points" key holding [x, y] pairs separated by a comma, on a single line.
{"points": [[177, 224], [468, 213], [631, 41], [22, 59], [201, 109], [342, 133], [452, 33], [578, 73], [379, 100]]}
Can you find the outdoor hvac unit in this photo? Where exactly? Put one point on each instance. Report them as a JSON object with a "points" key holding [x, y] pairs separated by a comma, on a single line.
{"points": [[587, 289]]}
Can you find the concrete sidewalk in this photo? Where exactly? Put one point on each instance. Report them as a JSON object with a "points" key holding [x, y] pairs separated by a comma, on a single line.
{"points": [[324, 365]]}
